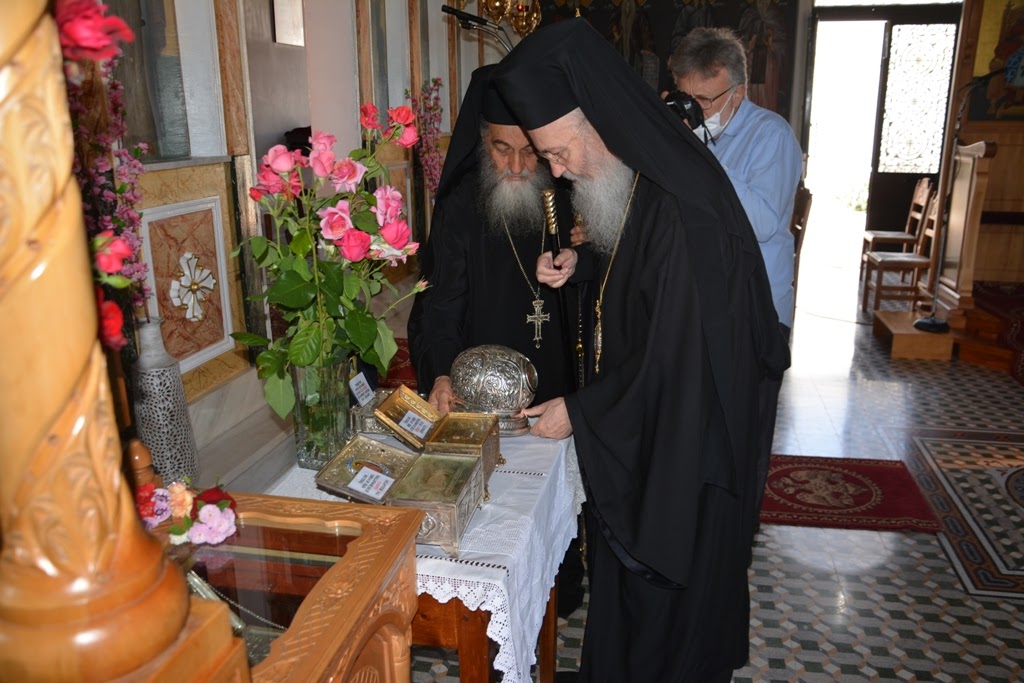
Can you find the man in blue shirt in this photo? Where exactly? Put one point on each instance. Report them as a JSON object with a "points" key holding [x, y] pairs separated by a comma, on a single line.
{"points": [[761, 157]]}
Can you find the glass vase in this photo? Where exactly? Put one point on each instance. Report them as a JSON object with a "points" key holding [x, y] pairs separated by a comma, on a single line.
{"points": [[321, 412]]}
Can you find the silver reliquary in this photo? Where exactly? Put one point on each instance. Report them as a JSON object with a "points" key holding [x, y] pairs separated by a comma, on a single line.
{"points": [[498, 380]]}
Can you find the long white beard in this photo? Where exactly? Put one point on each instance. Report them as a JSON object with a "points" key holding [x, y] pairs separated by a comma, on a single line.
{"points": [[600, 199], [515, 203]]}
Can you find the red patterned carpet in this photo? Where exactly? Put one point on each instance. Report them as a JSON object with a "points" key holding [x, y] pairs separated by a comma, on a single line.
{"points": [[845, 493], [401, 370]]}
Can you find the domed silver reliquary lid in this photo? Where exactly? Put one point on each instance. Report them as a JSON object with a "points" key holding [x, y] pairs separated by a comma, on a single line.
{"points": [[496, 379]]}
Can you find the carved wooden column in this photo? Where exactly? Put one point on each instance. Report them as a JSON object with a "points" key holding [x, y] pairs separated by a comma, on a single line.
{"points": [[85, 593]]}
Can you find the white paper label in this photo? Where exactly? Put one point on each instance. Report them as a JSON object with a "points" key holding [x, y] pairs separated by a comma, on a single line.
{"points": [[361, 389], [416, 425], [371, 483]]}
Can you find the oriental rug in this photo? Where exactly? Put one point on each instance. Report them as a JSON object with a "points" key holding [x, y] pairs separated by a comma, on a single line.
{"points": [[974, 480], [400, 371], [844, 493]]}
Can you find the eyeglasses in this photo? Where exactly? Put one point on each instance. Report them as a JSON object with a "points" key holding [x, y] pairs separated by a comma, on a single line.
{"points": [[560, 157], [707, 102]]}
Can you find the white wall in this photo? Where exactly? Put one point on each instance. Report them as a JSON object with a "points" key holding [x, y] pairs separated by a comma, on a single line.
{"points": [[332, 70]]}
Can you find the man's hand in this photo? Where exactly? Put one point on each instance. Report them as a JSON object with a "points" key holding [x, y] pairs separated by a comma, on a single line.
{"points": [[442, 396], [553, 419], [556, 274], [578, 235]]}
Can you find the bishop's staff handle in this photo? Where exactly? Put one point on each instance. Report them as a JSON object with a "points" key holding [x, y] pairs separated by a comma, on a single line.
{"points": [[551, 219]]}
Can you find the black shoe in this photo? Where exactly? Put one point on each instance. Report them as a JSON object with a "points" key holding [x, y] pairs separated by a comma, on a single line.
{"points": [[567, 676]]}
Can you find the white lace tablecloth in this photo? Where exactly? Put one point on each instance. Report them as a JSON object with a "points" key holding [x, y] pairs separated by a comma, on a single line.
{"points": [[510, 553]]}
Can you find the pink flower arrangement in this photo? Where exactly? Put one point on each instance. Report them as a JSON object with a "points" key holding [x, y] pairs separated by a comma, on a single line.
{"points": [[326, 259], [428, 110], [107, 173], [206, 517]]}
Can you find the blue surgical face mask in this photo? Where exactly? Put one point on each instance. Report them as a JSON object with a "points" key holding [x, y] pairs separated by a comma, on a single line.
{"points": [[714, 124]]}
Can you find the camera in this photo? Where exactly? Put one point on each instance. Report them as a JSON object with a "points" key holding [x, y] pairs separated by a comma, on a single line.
{"points": [[689, 111]]}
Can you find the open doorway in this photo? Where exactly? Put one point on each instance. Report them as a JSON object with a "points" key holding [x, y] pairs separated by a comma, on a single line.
{"points": [[879, 84], [841, 131]]}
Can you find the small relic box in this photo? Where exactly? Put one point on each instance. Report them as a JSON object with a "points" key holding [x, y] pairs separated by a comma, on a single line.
{"points": [[419, 425], [361, 419], [448, 488]]}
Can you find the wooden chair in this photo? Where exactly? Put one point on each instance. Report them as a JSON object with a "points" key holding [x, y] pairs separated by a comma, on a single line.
{"points": [[878, 263], [798, 226], [908, 238]]}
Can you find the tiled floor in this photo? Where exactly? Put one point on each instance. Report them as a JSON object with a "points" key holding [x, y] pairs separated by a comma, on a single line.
{"points": [[834, 605]]}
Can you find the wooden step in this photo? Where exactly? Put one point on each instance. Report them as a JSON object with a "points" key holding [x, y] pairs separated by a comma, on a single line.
{"points": [[984, 325], [910, 342], [983, 352]]}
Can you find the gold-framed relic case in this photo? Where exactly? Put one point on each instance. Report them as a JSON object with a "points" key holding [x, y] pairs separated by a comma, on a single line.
{"points": [[447, 487], [419, 425]]}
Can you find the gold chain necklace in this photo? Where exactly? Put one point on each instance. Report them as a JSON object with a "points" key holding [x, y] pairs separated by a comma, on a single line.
{"points": [[600, 295], [539, 316]]}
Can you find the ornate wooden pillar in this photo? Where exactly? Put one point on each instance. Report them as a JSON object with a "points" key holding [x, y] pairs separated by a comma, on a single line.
{"points": [[85, 593]]}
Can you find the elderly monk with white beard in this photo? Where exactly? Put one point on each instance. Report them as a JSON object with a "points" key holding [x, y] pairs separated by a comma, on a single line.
{"points": [[685, 335], [486, 234]]}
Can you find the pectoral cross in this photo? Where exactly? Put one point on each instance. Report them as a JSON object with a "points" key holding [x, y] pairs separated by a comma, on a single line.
{"points": [[537, 319]]}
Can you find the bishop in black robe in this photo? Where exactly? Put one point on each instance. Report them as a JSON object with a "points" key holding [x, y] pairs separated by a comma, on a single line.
{"points": [[478, 293], [666, 433]]}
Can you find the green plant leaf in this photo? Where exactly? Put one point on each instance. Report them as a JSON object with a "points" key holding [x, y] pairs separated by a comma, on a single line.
{"points": [[366, 221], [306, 345], [291, 291], [352, 284], [301, 243], [361, 328], [270, 362], [333, 277], [301, 266], [250, 339], [370, 356], [258, 244], [384, 345], [280, 394]]}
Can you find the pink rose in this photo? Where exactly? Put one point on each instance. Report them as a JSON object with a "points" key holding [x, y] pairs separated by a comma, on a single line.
{"points": [[86, 34], [369, 116], [335, 220], [181, 499], [268, 181], [396, 233], [322, 162], [389, 204], [347, 175], [354, 244], [256, 194], [401, 115], [279, 159], [111, 252], [322, 142], [409, 137]]}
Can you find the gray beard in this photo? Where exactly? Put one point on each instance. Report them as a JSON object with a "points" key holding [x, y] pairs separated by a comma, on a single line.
{"points": [[600, 200], [514, 203]]}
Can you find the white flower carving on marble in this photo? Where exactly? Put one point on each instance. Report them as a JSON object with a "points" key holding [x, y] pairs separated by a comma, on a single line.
{"points": [[194, 284]]}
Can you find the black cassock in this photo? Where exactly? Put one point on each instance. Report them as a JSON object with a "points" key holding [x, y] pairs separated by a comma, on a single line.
{"points": [[658, 505], [666, 433], [478, 294]]}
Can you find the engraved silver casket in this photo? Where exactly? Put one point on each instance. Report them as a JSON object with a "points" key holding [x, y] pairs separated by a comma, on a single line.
{"points": [[495, 379]]}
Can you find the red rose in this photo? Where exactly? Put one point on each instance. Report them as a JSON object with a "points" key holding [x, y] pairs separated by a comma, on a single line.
{"points": [[368, 116], [144, 500], [401, 115], [111, 251], [86, 34], [111, 323], [255, 193], [211, 496]]}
